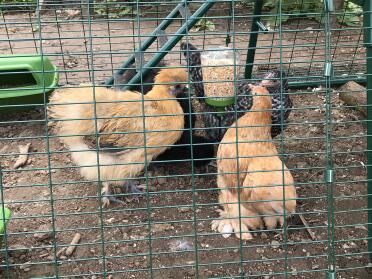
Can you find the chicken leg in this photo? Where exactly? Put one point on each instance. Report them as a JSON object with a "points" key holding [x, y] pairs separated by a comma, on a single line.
{"points": [[107, 196], [136, 190]]}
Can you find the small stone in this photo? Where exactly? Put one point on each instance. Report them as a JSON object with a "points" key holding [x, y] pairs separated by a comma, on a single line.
{"points": [[275, 244], [236, 250], [345, 246], [162, 180], [294, 272], [17, 251], [185, 209], [45, 232], [260, 251], [62, 257], [25, 266], [353, 244], [137, 263], [162, 227], [110, 221], [191, 272], [315, 266], [263, 235]]}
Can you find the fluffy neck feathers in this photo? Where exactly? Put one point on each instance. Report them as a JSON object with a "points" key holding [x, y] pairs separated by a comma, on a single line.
{"points": [[160, 94], [256, 123]]}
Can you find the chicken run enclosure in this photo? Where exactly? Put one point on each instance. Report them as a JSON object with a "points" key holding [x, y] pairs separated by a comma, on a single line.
{"points": [[58, 162]]}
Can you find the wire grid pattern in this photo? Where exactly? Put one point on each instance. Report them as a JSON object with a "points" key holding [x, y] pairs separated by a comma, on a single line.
{"points": [[167, 234]]}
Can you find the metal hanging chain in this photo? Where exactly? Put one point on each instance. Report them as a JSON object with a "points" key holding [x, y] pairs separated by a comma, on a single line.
{"points": [[228, 35]]}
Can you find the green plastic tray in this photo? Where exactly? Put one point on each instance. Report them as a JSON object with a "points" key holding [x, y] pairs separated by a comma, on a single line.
{"points": [[24, 79], [7, 217], [3, 221], [221, 103]]}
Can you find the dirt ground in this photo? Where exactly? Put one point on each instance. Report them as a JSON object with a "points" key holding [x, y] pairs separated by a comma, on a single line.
{"points": [[167, 234]]}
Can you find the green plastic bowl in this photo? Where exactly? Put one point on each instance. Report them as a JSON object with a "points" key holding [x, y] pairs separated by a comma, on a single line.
{"points": [[24, 79], [221, 103], [3, 221]]}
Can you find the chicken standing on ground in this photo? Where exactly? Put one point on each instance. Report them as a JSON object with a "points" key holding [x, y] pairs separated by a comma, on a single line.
{"points": [[122, 120], [189, 147], [258, 171], [217, 124]]}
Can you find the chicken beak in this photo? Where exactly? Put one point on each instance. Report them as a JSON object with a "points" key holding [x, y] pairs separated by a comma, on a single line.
{"points": [[266, 82]]}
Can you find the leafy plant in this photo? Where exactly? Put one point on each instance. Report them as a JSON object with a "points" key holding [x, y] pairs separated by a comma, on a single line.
{"points": [[352, 15], [312, 9], [113, 9], [204, 25], [17, 1]]}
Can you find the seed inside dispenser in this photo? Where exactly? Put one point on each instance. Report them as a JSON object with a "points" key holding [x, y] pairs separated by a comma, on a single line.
{"points": [[218, 73]]}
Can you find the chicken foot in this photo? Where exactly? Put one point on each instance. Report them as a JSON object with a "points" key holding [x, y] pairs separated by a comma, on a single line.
{"points": [[107, 196], [137, 190]]}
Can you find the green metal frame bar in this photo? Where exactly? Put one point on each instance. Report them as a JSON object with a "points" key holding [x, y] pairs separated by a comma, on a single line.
{"points": [[146, 44], [255, 27], [367, 15], [189, 23], [255, 30], [334, 81]]}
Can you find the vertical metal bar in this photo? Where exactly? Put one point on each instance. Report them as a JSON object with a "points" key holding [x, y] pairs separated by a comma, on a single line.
{"points": [[253, 39], [282, 141], [146, 44], [146, 162], [4, 238], [329, 172], [186, 14], [7, 31], [192, 20], [94, 117], [367, 15], [47, 147], [60, 42]]}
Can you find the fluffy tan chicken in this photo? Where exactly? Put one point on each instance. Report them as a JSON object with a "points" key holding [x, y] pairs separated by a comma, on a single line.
{"points": [[126, 123], [261, 174]]}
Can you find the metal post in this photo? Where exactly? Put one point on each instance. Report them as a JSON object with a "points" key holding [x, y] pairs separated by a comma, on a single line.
{"points": [[87, 8], [253, 39], [368, 44]]}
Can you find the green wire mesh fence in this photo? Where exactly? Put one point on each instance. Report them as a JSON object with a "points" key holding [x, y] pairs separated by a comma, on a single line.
{"points": [[313, 50]]}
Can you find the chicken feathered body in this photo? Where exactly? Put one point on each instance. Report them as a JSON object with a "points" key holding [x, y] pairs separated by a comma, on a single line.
{"points": [[259, 172], [133, 128], [217, 124], [202, 150]]}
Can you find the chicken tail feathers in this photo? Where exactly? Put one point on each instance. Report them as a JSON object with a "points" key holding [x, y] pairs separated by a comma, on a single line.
{"points": [[72, 122]]}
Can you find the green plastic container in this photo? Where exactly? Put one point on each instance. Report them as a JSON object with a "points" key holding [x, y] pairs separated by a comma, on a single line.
{"points": [[220, 104], [3, 221], [24, 79]]}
